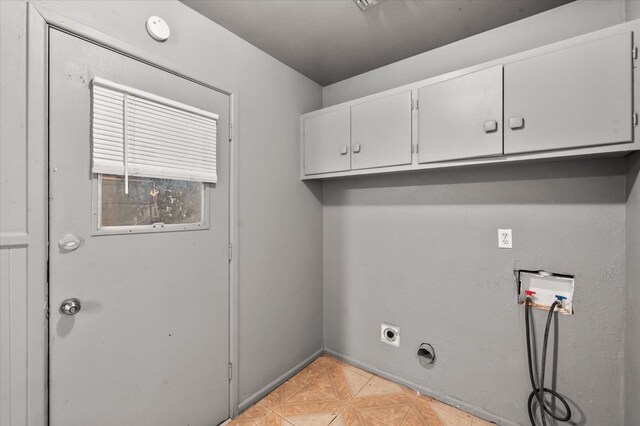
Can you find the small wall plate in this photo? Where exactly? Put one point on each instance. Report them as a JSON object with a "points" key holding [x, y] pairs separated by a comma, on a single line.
{"points": [[390, 334], [158, 29]]}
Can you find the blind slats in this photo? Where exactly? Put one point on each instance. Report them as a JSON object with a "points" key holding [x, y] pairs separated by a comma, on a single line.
{"points": [[163, 110], [144, 146], [164, 139], [162, 130]]}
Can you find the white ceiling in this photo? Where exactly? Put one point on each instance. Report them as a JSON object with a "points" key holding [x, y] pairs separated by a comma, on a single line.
{"points": [[330, 40]]}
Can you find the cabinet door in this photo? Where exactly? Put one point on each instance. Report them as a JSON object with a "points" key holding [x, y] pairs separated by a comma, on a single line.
{"points": [[381, 132], [461, 118], [576, 97], [326, 142]]}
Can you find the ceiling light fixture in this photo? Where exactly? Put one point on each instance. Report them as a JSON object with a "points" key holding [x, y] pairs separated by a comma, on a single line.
{"points": [[366, 4]]}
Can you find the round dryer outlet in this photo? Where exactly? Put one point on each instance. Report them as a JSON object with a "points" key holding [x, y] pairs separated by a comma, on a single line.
{"points": [[390, 334]]}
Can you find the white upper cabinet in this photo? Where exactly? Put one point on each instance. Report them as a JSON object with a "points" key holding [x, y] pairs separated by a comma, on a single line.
{"points": [[381, 132], [461, 117], [575, 97], [327, 137]]}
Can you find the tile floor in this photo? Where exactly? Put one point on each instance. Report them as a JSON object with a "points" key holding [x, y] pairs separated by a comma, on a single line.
{"points": [[331, 392]]}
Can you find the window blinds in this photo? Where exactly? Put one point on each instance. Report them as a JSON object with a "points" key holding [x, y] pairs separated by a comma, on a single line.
{"points": [[140, 134]]}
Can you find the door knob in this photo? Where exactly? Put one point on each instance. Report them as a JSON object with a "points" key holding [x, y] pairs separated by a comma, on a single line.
{"points": [[70, 306], [355, 148]]}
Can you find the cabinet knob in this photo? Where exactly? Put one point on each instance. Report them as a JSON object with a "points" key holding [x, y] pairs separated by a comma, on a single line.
{"points": [[356, 148], [344, 150], [516, 123], [490, 126]]}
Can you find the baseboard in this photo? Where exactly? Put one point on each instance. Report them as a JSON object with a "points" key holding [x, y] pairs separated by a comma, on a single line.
{"points": [[471, 409], [251, 400]]}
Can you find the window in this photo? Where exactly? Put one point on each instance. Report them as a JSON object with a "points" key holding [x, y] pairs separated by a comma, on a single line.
{"points": [[151, 157], [150, 201]]}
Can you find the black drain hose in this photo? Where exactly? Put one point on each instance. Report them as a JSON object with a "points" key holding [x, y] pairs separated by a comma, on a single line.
{"points": [[538, 392]]}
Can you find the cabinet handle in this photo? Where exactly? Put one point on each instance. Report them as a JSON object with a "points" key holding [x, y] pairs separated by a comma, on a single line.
{"points": [[344, 150], [516, 123], [490, 126], [356, 148]]}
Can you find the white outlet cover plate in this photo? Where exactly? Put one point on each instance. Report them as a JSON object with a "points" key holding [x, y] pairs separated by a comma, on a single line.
{"points": [[505, 238], [383, 336]]}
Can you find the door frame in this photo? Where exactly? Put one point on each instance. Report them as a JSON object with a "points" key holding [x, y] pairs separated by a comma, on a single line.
{"points": [[40, 21]]}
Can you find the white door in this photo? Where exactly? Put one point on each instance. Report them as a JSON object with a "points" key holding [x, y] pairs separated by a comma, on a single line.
{"points": [[381, 132], [461, 117], [571, 98], [150, 343], [327, 138]]}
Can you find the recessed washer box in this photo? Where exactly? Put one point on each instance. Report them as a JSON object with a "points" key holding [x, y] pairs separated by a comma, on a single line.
{"points": [[544, 288]]}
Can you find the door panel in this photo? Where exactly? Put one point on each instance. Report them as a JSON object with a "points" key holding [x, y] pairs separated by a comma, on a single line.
{"points": [[326, 142], [150, 344], [570, 98], [381, 132], [461, 118]]}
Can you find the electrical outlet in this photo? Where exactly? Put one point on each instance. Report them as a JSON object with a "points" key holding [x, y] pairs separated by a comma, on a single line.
{"points": [[390, 334], [505, 238]]}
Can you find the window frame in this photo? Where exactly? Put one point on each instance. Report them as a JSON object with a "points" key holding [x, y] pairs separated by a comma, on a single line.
{"points": [[96, 211]]}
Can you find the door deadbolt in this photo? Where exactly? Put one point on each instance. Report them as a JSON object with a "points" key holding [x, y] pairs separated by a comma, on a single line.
{"points": [[70, 306]]}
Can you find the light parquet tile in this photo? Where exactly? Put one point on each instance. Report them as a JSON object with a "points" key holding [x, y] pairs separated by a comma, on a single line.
{"points": [[341, 382], [350, 416], [451, 416], [314, 369], [354, 369], [310, 406], [421, 413], [274, 420], [331, 392], [285, 391], [480, 422], [382, 402], [252, 416], [379, 387]]}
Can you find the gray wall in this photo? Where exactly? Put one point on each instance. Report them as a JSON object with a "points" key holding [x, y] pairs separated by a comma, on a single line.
{"points": [[632, 306], [280, 217], [420, 251], [16, 387], [632, 10], [13, 105], [557, 24]]}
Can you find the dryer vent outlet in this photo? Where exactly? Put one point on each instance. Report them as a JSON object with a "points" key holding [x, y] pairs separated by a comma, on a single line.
{"points": [[390, 334], [426, 355]]}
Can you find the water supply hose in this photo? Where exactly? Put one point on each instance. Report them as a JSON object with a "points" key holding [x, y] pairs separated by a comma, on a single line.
{"points": [[538, 391]]}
